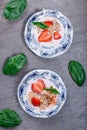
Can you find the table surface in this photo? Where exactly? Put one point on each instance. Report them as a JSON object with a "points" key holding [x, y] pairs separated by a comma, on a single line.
{"points": [[73, 115]]}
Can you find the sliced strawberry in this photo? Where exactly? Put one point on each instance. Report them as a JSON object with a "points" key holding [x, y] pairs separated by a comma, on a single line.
{"points": [[56, 35], [45, 36], [36, 88], [48, 23], [41, 83], [40, 80], [35, 101]]}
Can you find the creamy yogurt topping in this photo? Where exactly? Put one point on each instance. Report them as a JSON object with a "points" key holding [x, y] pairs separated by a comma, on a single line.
{"points": [[47, 84], [53, 42]]}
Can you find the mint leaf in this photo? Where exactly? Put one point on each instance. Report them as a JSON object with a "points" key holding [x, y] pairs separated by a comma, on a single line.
{"points": [[52, 90], [40, 25]]}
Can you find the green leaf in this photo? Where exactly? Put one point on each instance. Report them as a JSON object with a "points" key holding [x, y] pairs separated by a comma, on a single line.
{"points": [[52, 90], [40, 25], [9, 118], [77, 72], [14, 9], [14, 64]]}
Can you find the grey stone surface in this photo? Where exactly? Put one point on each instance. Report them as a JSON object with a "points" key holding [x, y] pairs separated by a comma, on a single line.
{"points": [[73, 116]]}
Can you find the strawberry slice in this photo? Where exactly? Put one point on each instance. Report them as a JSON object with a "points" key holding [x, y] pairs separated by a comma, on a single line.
{"points": [[41, 83], [38, 86], [40, 80], [48, 23], [45, 36], [35, 101], [56, 35]]}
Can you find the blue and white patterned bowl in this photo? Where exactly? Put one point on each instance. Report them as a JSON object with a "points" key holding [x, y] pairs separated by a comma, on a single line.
{"points": [[46, 75], [48, 51]]}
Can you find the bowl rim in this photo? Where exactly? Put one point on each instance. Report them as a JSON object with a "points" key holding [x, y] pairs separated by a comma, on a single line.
{"points": [[23, 107], [54, 55]]}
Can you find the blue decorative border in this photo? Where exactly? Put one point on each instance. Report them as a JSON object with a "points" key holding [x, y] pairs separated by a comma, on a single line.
{"points": [[46, 52], [45, 74]]}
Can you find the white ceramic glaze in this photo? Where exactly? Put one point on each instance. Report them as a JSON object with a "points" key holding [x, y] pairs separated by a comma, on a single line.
{"points": [[25, 86], [55, 47]]}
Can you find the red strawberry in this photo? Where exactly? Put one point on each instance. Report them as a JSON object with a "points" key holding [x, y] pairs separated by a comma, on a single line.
{"points": [[45, 36], [48, 23], [35, 101], [38, 86], [40, 80], [41, 83], [56, 35]]}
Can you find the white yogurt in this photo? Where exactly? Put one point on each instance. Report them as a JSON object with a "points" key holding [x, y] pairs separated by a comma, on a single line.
{"points": [[53, 42]]}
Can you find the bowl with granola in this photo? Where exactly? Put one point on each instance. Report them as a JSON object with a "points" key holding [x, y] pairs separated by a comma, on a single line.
{"points": [[42, 93], [48, 33]]}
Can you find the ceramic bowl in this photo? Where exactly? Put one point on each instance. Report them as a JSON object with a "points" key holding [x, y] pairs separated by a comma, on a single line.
{"points": [[25, 85], [48, 50]]}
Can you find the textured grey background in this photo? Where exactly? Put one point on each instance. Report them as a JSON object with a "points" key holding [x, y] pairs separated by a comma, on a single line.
{"points": [[73, 116]]}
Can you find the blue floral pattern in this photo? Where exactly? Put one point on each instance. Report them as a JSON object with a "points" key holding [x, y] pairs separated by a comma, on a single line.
{"points": [[46, 52], [45, 74]]}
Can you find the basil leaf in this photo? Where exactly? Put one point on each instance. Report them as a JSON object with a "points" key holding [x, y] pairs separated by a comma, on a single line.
{"points": [[14, 9], [14, 64], [77, 72], [9, 118], [52, 90], [40, 25]]}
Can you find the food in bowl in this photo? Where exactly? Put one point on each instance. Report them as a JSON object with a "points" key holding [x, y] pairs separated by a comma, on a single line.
{"points": [[48, 30], [42, 93], [42, 96], [48, 33]]}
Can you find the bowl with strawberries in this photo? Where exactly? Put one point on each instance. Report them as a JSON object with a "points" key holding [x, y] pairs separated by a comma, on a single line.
{"points": [[48, 33], [41, 93]]}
